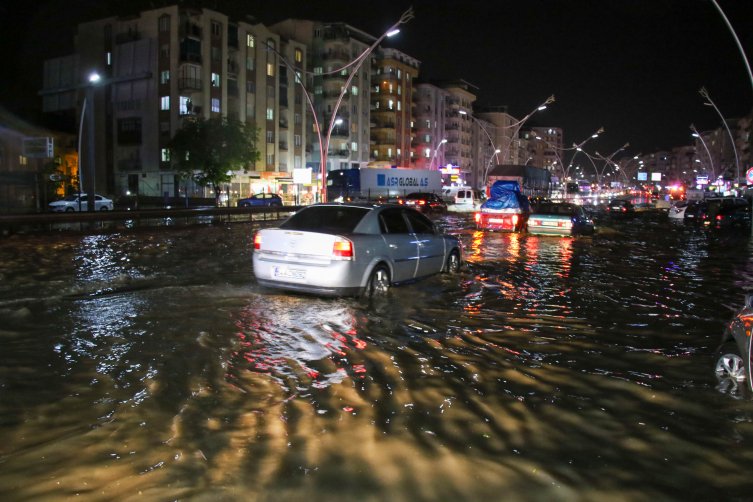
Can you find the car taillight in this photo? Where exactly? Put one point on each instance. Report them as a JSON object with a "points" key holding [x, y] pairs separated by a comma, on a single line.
{"points": [[477, 217], [342, 248], [257, 242], [421, 202], [515, 218], [719, 217]]}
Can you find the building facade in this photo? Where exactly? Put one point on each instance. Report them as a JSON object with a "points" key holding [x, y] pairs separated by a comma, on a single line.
{"points": [[429, 125]]}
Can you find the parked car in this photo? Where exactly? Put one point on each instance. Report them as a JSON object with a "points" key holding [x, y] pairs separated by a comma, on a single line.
{"points": [[425, 202], [732, 358], [559, 218], [620, 208], [677, 210], [71, 204], [261, 199], [352, 249]]}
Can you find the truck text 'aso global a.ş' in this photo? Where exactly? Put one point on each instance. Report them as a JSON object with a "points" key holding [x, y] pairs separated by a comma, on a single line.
{"points": [[380, 183]]}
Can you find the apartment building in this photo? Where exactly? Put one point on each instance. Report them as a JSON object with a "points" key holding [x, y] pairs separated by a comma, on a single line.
{"points": [[544, 146], [339, 90], [459, 126], [164, 66], [392, 108], [429, 125]]}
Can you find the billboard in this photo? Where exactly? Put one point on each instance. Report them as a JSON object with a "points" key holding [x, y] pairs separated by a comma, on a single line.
{"points": [[655, 176], [642, 176]]}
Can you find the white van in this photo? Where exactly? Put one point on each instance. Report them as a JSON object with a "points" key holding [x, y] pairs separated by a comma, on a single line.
{"points": [[467, 199], [449, 193]]}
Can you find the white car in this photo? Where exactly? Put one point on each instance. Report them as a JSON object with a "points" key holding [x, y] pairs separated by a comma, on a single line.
{"points": [[352, 249], [71, 203]]}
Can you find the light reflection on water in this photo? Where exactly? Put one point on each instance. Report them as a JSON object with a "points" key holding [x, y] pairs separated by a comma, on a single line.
{"points": [[550, 369]]}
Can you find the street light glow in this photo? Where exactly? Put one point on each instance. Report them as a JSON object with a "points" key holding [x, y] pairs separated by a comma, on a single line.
{"points": [[94, 77], [393, 32]]}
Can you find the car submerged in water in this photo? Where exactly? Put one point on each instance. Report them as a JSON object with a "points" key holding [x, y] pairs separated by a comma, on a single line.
{"points": [[732, 358], [559, 218], [340, 249]]}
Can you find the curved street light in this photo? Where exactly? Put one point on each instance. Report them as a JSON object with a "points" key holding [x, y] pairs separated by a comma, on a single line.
{"points": [[517, 125], [436, 150], [695, 134], [355, 64], [608, 161], [709, 102], [488, 136]]}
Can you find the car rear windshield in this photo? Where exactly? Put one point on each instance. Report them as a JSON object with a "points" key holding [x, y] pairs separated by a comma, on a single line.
{"points": [[326, 219], [545, 208]]}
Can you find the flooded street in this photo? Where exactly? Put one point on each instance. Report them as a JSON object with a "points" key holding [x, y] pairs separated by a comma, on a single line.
{"points": [[149, 365]]}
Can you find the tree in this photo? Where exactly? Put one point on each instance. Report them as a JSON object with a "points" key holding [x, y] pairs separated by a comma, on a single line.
{"points": [[206, 150]]}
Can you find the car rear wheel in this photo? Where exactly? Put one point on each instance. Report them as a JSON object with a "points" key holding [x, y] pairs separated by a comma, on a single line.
{"points": [[69, 209], [379, 282], [730, 371], [453, 263]]}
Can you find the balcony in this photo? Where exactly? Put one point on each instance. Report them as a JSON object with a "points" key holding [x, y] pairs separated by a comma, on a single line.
{"points": [[189, 84]]}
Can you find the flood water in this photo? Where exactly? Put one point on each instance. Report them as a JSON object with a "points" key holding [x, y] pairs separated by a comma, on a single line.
{"points": [[149, 365]]}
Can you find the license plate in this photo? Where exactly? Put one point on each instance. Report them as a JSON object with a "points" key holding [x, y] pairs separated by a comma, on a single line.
{"points": [[496, 220], [289, 273], [549, 223]]}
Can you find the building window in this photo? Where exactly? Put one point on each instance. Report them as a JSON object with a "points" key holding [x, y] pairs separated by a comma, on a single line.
{"points": [[250, 63], [298, 56], [165, 155], [250, 41], [164, 77], [399, 90], [184, 105], [398, 106], [390, 104], [270, 69], [129, 131], [398, 152], [297, 162], [353, 146], [297, 140], [389, 152], [427, 152], [270, 159], [164, 103], [216, 54], [164, 51], [216, 105], [216, 29], [270, 114], [164, 23], [318, 70], [215, 79], [354, 90], [270, 136], [297, 118]]}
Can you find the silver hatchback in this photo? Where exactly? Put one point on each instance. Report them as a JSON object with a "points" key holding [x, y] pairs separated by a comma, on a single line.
{"points": [[352, 249]]}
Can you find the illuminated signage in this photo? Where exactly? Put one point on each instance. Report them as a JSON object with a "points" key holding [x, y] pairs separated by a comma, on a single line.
{"points": [[642, 176]]}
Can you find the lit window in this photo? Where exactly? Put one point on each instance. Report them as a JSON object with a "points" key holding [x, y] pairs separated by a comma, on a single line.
{"points": [[164, 77], [297, 140], [398, 106], [270, 69], [270, 136], [215, 79], [270, 114], [427, 152], [390, 104], [216, 105], [353, 146], [318, 70], [164, 103], [184, 105], [250, 41], [165, 155], [389, 152], [354, 90], [298, 56]]}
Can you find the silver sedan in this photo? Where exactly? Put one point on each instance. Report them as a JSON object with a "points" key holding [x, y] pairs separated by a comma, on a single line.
{"points": [[352, 249]]}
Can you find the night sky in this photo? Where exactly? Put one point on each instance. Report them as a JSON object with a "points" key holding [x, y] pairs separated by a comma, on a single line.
{"points": [[631, 66]]}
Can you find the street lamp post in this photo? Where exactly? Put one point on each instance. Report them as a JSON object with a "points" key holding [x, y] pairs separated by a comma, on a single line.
{"points": [[695, 134], [519, 124], [488, 136], [87, 115], [607, 162], [355, 64], [436, 150], [710, 102]]}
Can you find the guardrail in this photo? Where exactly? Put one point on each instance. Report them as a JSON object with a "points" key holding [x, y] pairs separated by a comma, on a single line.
{"points": [[118, 220]]}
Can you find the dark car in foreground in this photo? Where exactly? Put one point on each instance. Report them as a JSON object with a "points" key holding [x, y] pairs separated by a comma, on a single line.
{"points": [[426, 202], [559, 218], [337, 249], [261, 199], [732, 358]]}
